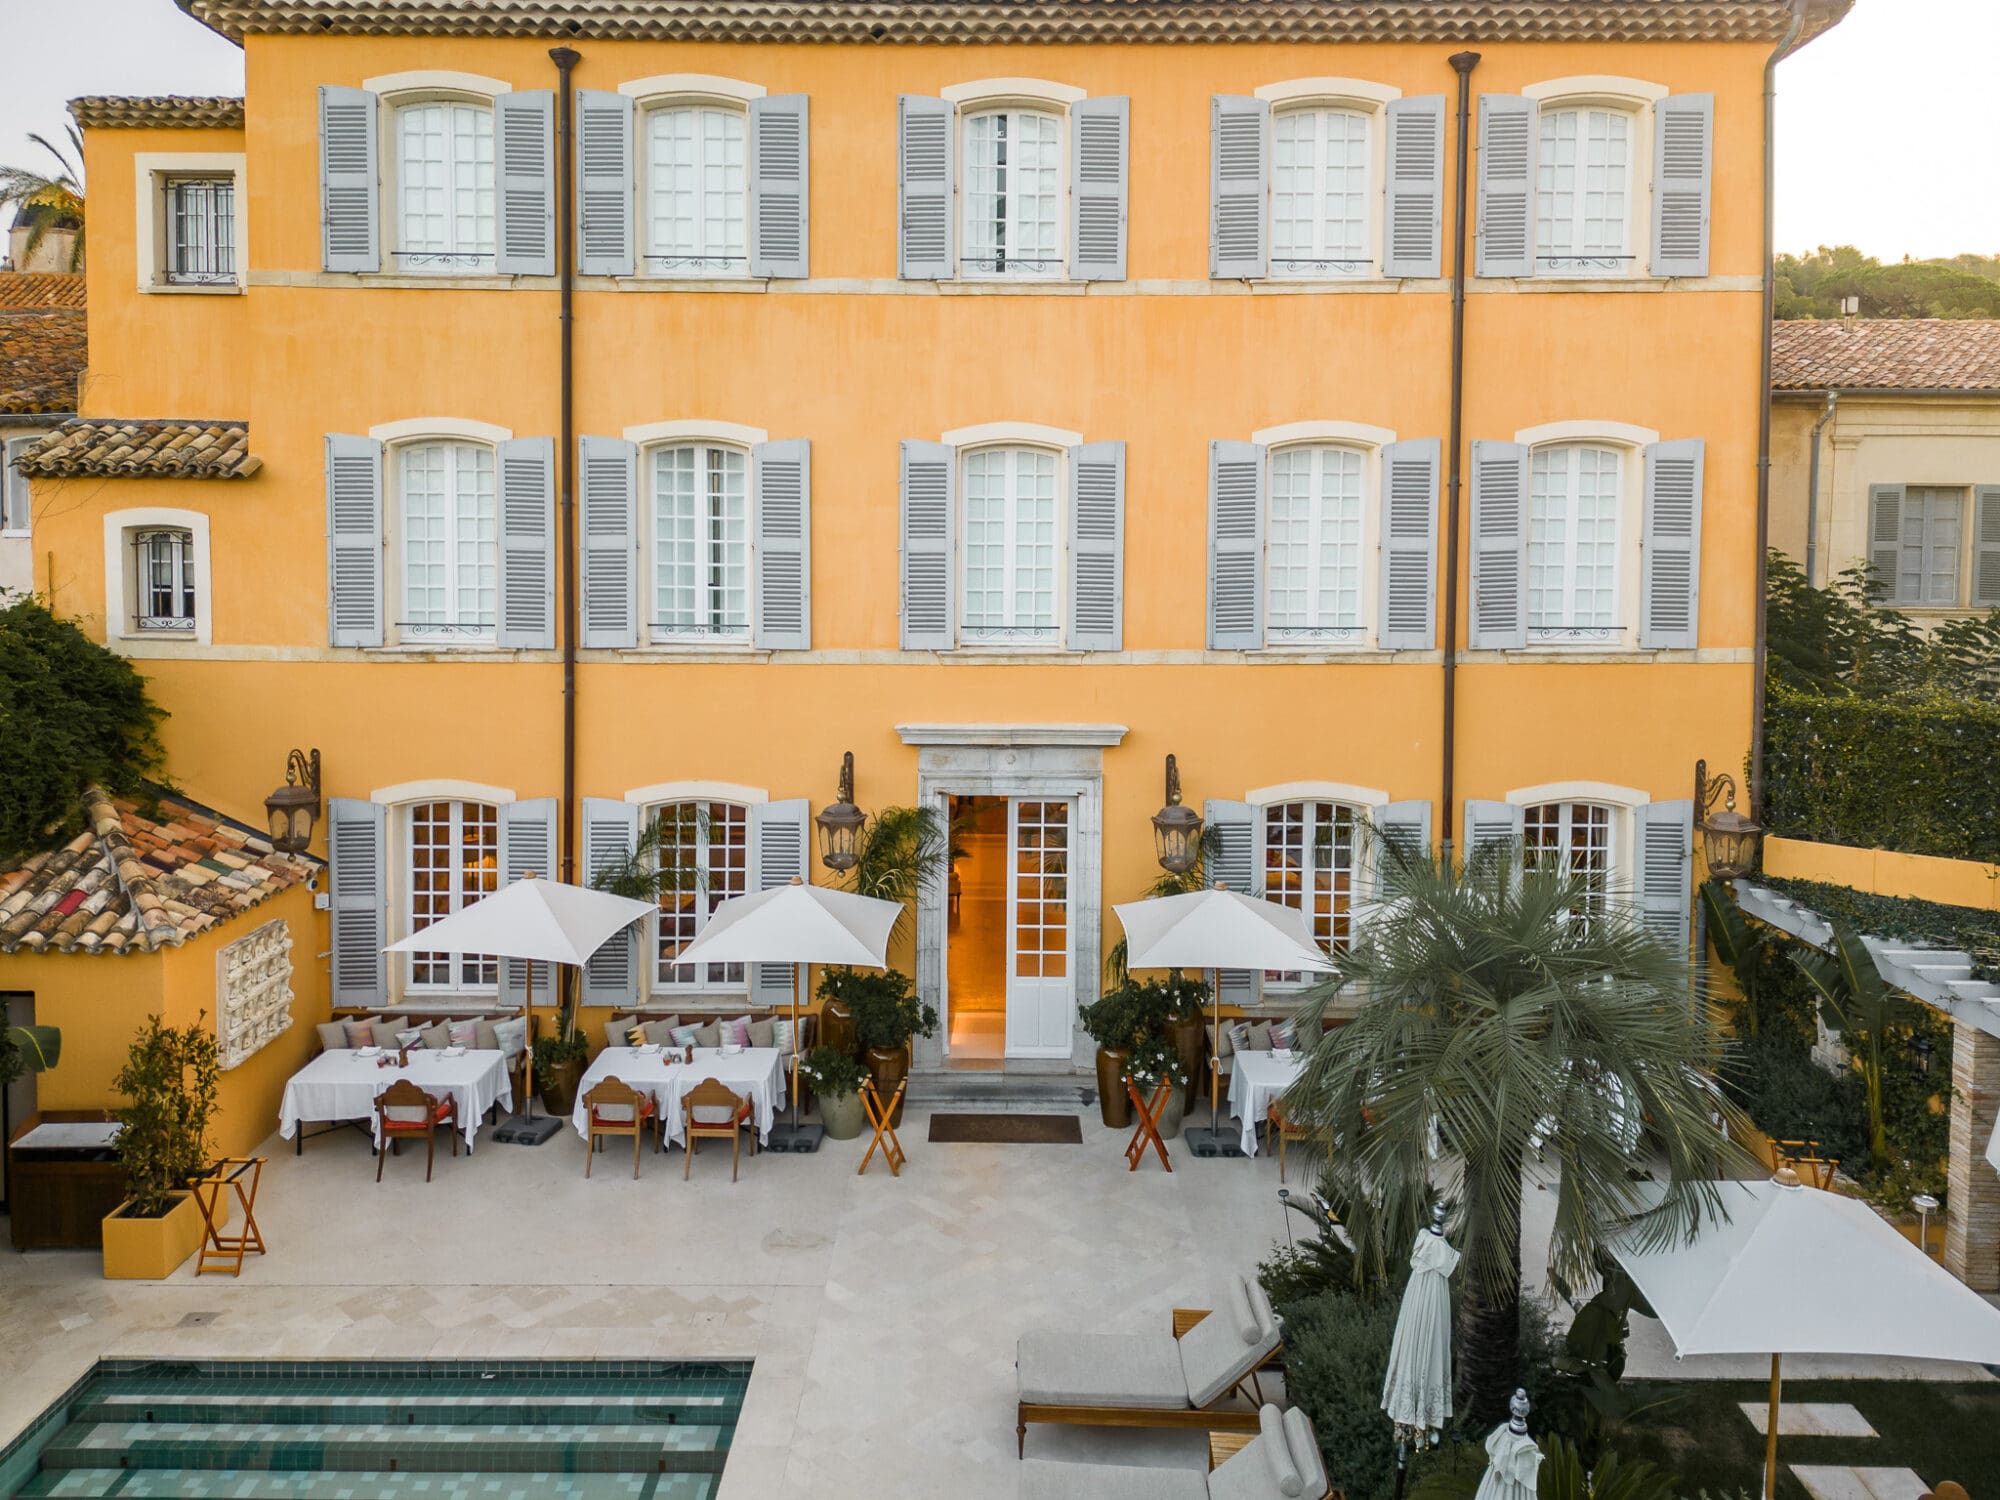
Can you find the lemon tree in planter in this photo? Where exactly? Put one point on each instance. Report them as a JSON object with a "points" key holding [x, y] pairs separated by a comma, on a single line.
{"points": [[169, 1081]]}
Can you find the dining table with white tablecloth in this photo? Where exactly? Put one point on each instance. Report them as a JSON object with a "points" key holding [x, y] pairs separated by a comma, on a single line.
{"points": [[1255, 1080], [341, 1084], [756, 1073]]}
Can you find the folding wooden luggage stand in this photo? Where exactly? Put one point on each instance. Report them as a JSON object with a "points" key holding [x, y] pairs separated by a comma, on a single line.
{"points": [[225, 1252]]}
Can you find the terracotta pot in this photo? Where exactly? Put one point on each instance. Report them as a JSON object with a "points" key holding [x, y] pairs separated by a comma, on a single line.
{"points": [[1112, 1100], [836, 1026], [1186, 1033], [842, 1115], [888, 1066], [557, 1087]]}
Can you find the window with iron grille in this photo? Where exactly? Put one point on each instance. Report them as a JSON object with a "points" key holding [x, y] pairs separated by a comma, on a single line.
{"points": [[1583, 203], [1309, 865], [454, 860], [1573, 837], [201, 231], [705, 848], [1313, 546], [1321, 161], [444, 178], [697, 191], [450, 542], [701, 543], [163, 576]]}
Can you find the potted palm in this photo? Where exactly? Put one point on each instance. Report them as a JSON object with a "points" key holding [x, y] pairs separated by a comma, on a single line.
{"points": [[1155, 1057], [901, 853], [169, 1082], [559, 1064], [887, 1014], [836, 1083]]}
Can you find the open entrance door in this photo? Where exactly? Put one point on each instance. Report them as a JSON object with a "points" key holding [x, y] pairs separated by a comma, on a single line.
{"points": [[1041, 989]]}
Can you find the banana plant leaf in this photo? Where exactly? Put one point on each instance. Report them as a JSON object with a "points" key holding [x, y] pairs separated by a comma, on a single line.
{"points": [[40, 1046]]}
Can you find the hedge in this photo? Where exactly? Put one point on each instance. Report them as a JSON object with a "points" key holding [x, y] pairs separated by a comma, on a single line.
{"points": [[1902, 919], [1915, 775]]}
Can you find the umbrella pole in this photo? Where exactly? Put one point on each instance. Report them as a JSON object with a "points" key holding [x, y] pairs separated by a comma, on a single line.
{"points": [[528, 1073], [1215, 1061], [1771, 1434]]}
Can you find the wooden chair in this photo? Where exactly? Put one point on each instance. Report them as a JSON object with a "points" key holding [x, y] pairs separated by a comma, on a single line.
{"points": [[403, 1110], [1804, 1158], [712, 1108], [1285, 1129], [614, 1107]]}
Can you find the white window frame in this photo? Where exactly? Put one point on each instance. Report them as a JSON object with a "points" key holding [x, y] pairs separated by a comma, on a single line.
{"points": [[1630, 443], [1357, 804], [1367, 265], [1008, 637], [704, 985], [654, 104], [153, 226], [405, 850], [1623, 804], [702, 440], [395, 93], [398, 800], [1369, 442], [1359, 96], [121, 581], [178, 544], [1057, 268], [17, 490], [396, 581], [1636, 98], [1367, 509]]}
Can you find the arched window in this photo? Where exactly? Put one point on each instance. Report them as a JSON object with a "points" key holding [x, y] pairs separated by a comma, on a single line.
{"points": [[1309, 864], [444, 185], [1013, 548], [1576, 837], [454, 860], [697, 190], [1583, 203], [1321, 163], [700, 519], [450, 550], [1576, 504], [1313, 545], [704, 847], [1012, 195]]}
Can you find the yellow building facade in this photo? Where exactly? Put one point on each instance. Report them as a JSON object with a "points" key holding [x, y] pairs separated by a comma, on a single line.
{"points": [[1011, 402]]}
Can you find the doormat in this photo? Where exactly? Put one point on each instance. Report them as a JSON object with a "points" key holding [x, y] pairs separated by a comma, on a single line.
{"points": [[1007, 1130]]}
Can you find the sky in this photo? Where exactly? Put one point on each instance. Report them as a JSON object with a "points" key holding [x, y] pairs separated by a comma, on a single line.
{"points": [[1877, 121]]}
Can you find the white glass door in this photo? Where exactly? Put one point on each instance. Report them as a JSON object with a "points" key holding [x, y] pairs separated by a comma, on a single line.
{"points": [[1041, 1003]]}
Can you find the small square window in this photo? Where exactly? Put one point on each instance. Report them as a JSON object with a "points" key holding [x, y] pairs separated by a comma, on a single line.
{"points": [[163, 581], [201, 231]]}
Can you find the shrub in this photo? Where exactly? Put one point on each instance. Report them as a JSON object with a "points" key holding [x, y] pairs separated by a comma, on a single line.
{"points": [[832, 1073], [169, 1081], [887, 1012], [1336, 1355], [1793, 1098]]}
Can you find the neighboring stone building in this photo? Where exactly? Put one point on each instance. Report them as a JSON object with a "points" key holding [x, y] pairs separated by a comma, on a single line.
{"points": [[1904, 416], [41, 364]]}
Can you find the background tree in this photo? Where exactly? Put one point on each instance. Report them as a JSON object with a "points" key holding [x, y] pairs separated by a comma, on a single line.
{"points": [[1958, 286], [50, 197], [1509, 1021], [1836, 640]]}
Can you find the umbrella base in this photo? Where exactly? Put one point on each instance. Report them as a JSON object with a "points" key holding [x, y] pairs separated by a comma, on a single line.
{"points": [[800, 1138], [1204, 1143], [526, 1130]]}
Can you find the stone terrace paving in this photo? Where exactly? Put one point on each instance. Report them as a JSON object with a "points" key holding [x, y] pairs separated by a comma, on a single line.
{"points": [[881, 1312]]}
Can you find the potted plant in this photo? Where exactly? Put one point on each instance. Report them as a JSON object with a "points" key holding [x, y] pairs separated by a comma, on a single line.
{"points": [[559, 1064], [1154, 1057], [887, 1014], [1182, 1000], [901, 853], [1115, 1022], [169, 1081], [836, 1083]]}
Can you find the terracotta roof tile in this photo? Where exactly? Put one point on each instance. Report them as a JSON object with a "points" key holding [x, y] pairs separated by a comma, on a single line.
{"points": [[97, 895], [156, 111], [989, 21], [113, 447], [42, 356], [1958, 354], [39, 291]]}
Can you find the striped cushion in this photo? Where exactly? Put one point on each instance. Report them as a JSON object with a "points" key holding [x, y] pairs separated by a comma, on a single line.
{"points": [[684, 1035], [737, 1032], [464, 1033]]}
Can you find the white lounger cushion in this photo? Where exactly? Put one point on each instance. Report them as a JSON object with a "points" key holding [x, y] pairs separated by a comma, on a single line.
{"points": [[1304, 1448], [1217, 1352], [1041, 1480], [1060, 1368]]}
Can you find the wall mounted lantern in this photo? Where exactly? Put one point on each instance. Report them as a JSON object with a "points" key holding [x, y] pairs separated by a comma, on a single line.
{"points": [[840, 824], [1176, 829], [293, 808], [1729, 840]]}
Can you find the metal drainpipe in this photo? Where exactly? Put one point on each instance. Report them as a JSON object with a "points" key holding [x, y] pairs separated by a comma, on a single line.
{"points": [[565, 59], [1462, 63], [1759, 642], [1812, 487]]}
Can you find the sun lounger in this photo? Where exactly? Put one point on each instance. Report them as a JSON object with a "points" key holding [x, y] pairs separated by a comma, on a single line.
{"points": [[1281, 1462], [1148, 1379]]}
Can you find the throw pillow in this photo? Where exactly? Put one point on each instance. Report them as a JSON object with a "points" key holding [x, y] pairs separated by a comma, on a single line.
{"points": [[361, 1033], [437, 1036], [737, 1031], [1260, 1037], [784, 1036], [635, 1035], [332, 1036], [763, 1033], [512, 1035], [1239, 1037], [1283, 1034], [687, 1036], [661, 1033], [410, 1036], [615, 1029], [388, 1026], [1225, 1041], [488, 1041], [464, 1033], [709, 1035]]}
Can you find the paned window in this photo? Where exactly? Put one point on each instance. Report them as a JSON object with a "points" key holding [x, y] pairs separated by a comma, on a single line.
{"points": [[1313, 547], [1573, 516], [450, 541], [454, 860], [1927, 554], [163, 579], [1320, 164], [697, 191], [201, 231], [444, 178], [701, 543], [1309, 865], [15, 516], [1584, 203], [705, 847], [1571, 836], [1013, 194], [1010, 545]]}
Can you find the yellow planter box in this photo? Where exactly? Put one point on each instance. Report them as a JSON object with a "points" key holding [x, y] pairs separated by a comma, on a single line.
{"points": [[150, 1249]]}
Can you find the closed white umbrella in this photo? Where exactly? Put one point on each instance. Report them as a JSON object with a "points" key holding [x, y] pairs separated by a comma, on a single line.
{"points": [[797, 924], [1513, 1459], [1799, 1271], [1217, 929], [1416, 1391]]}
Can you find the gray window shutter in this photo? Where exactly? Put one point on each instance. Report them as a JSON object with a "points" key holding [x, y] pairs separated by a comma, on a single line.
{"points": [[608, 498], [923, 187], [1670, 583], [1409, 545], [1499, 546], [1683, 158], [1100, 149], [349, 193], [1239, 183], [353, 540], [1235, 546], [524, 139], [357, 846], [1413, 188], [527, 543], [604, 129], [1986, 546], [780, 177], [1508, 148], [1229, 846], [1490, 826], [1097, 547], [1407, 825], [1665, 834], [1885, 541], [527, 847], [930, 553], [780, 836], [610, 834], [781, 486]]}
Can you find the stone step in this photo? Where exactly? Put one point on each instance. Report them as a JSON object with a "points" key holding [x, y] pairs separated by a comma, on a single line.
{"points": [[457, 1410], [1002, 1092], [239, 1484]]}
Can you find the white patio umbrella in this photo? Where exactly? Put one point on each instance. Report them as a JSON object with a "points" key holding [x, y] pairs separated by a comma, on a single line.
{"points": [[1416, 1390], [1800, 1271], [797, 924], [544, 921], [1217, 929], [1513, 1459]]}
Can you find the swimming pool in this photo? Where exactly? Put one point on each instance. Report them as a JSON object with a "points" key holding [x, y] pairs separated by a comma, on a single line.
{"points": [[384, 1430]]}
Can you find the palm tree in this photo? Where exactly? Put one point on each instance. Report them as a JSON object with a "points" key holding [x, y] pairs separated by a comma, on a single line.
{"points": [[44, 200], [902, 853], [1509, 1022]]}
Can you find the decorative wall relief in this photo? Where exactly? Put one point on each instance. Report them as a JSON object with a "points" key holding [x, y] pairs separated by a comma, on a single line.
{"points": [[253, 991]]}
